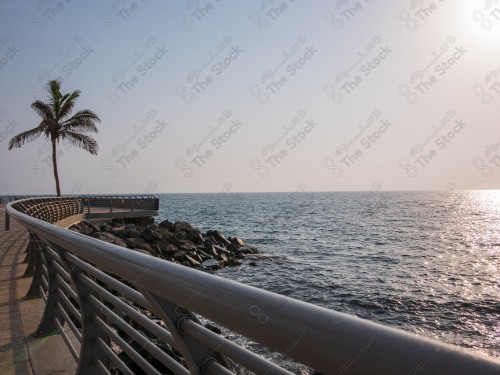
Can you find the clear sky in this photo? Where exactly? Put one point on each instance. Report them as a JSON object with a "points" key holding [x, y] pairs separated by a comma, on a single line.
{"points": [[209, 96]]}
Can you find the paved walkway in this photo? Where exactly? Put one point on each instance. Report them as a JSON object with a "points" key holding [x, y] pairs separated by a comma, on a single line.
{"points": [[21, 352]]}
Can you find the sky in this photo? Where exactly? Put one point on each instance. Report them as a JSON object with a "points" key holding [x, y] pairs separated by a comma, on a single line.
{"points": [[256, 96]]}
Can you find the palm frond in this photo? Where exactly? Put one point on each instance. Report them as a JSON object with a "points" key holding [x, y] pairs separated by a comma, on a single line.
{"points": [[80, 127], [26, 136], [44, 110], [84, 114], [54, 88], [68, 102], [81, 140], [82, 121]]}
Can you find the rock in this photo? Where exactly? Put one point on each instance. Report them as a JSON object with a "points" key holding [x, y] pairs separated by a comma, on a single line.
{"points": [[177, 242], [253, 264], [165, 242], [182, 225], [197, 257], [238, 242], [133, 233], [232, 248], [166, 224], [171, 248], [202, 253], [180, 235], [218, 236], [194, 235], [209, 240], [137, 243], [213, 264], [151, 235], [156, 249], [233, 262], [86, 231], [165, 233], [106, 228], [120, 232], [254, 250], [222, 250], [147, 221], [91, 225], [109, 238], [187, 246], [192, 261], [244, 250], [178, 255], [211, 250], [166, 248]]}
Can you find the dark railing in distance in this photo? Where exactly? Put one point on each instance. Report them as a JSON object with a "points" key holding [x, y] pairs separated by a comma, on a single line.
{"points": [[132, 312], [96, 203]]}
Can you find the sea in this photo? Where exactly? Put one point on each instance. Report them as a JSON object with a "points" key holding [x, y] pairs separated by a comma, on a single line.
{"points": [[425, 262]]}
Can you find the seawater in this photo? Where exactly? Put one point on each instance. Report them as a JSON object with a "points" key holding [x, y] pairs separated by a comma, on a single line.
{"points": [[426, 262]]}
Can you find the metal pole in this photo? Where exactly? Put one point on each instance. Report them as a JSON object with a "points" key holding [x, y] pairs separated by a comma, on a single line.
{"points": [[7, 220]]}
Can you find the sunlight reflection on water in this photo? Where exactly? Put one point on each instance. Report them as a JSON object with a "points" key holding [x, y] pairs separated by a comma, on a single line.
{"points": [[427, 262]]}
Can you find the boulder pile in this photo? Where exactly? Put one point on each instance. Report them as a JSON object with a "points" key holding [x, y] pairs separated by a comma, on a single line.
{"points": [[176, 242]]}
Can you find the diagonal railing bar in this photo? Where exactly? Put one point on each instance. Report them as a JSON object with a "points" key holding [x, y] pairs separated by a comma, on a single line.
{"points": [[194, 352], [133, 312]]}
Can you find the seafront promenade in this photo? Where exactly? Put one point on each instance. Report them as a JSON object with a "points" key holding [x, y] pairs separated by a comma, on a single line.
{"points": [[21, 352], [123, 310]]}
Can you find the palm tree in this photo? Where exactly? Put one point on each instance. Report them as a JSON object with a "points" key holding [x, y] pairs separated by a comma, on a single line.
{"points": [[56, 124]]}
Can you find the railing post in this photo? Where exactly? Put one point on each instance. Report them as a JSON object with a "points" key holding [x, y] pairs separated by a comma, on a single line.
{"points": [[30, 257], [111, 204], [90, 351], [7, 220], [35, 267], [51, 313]]}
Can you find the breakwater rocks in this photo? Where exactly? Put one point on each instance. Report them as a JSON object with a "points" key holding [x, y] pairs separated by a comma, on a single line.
{"points": [[176, 242]]}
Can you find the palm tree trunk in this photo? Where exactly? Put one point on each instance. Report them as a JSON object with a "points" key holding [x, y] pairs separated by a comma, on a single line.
{"points": [[54, 164]]}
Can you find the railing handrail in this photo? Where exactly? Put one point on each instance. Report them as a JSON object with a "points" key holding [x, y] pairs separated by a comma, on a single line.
{"points": [[325, 340]]}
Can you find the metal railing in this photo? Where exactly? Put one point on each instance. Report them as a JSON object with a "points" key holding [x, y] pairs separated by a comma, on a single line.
{"points": [[54, 209], [136, 313], [50, 210], [113, 203], [96, 203]]}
